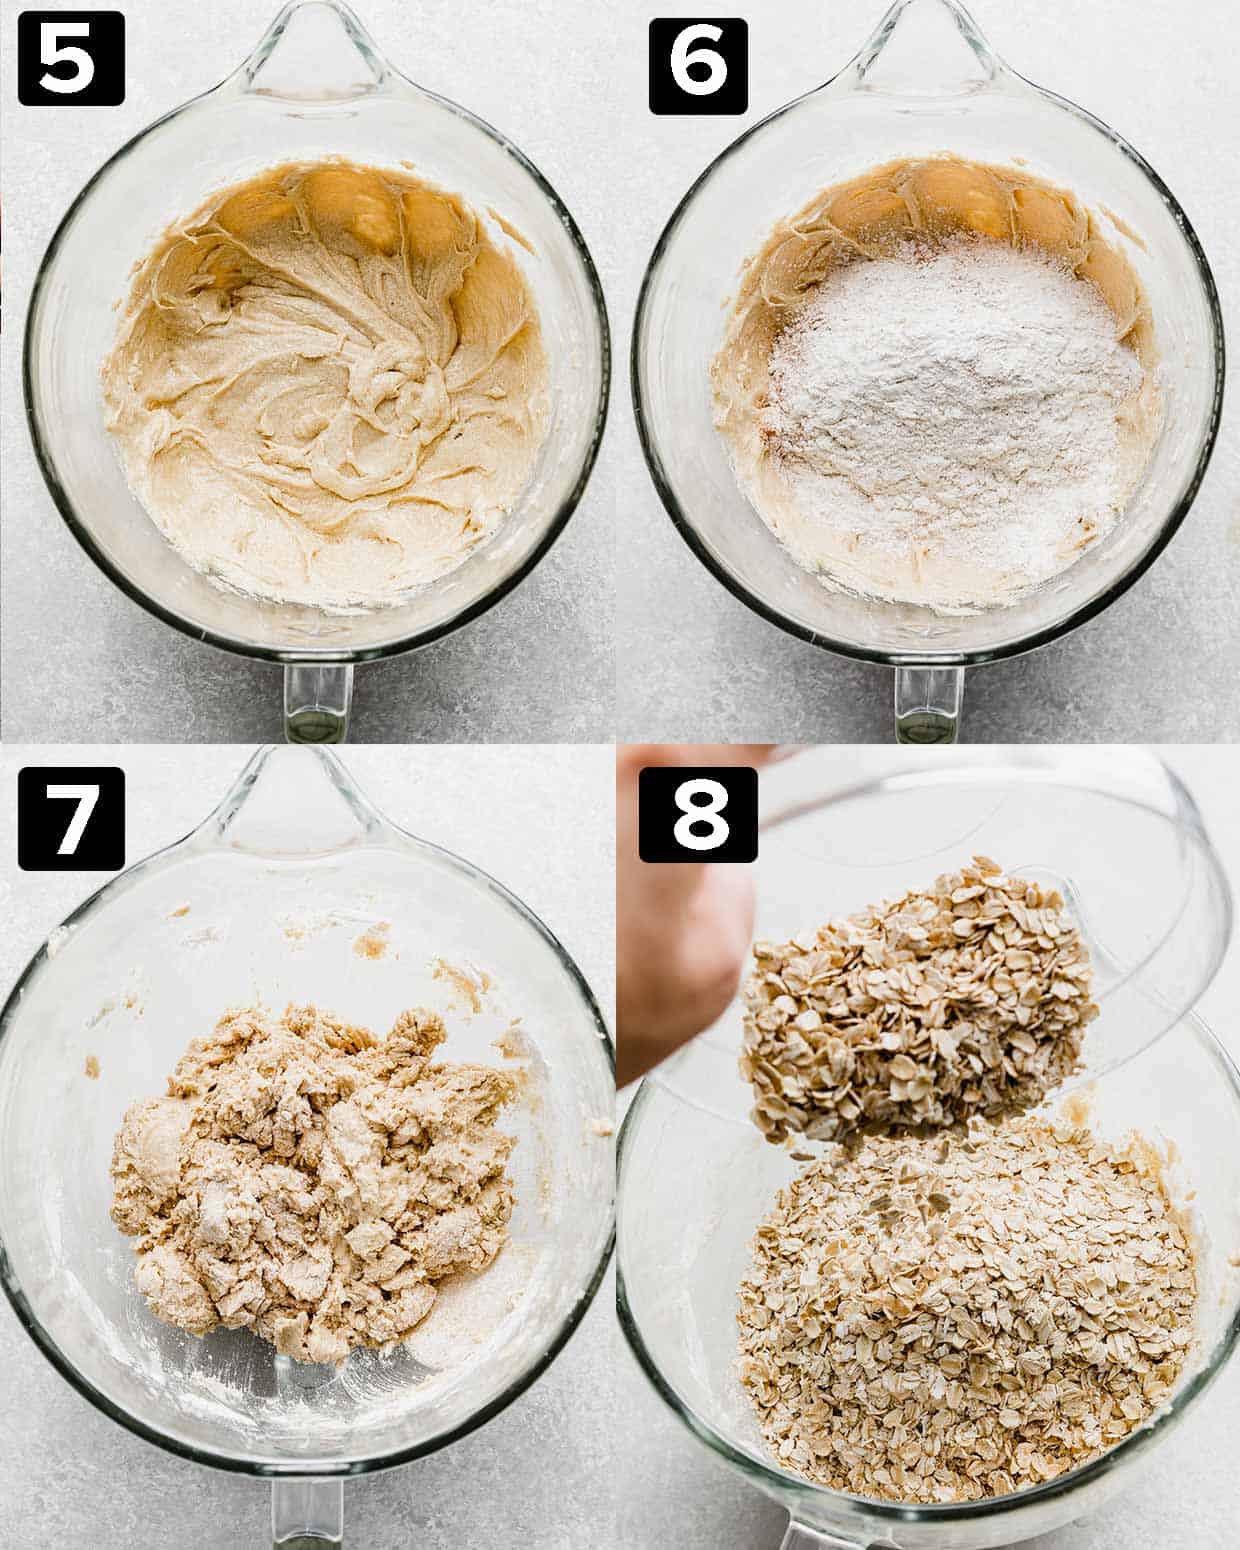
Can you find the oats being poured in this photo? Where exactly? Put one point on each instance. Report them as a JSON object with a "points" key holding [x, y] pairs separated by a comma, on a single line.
{"points": [[945, 1318], [967, 998], [312, 1183]]}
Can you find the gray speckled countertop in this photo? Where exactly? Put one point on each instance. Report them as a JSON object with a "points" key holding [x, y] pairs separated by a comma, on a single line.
{"points": [[537, 1474], [688, 661], [80, 660], [589, 1456], [1164, 661]]}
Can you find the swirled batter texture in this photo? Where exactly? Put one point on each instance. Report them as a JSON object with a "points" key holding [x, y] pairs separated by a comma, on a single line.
{"points": [[329, 384]]}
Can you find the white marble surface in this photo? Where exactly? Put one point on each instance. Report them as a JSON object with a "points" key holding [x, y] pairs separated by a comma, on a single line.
{"points": [[675, 1492], [538, 1475], [79, 659], [1163, 662]]}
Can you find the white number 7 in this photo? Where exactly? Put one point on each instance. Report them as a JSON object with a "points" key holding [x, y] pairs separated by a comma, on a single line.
{"points": [[50, 53], [85, 797]]}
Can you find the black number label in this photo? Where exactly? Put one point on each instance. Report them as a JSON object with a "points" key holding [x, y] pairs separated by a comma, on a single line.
{"points": [[699, 66], [71, 57], [71, 820], [697, 814]]}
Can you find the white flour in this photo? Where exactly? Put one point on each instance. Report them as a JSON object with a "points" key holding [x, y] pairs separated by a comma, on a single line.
{"points": [[962, 416]]}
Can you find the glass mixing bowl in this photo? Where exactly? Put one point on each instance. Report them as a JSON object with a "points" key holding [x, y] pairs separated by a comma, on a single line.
{"points": [[695, 1177], [925, 82], [315, 85], [280, 881]]}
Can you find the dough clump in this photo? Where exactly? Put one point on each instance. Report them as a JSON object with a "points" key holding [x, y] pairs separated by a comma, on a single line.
{"points": [[311, 1183], [329, 384]]}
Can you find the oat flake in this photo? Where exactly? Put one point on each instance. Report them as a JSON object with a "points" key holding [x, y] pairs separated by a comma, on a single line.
{"points": [[946, 1318], [970, 997]]}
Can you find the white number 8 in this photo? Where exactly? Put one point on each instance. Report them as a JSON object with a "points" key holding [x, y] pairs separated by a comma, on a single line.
{"points": [[684, 55], [706, 812]]}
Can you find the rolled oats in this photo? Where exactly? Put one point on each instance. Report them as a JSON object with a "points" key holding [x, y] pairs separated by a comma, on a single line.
{"points": [[945, 1318], [967, 998]]}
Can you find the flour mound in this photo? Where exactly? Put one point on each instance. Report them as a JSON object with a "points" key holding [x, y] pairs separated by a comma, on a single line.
{"points": [[309, 1182], [953, 421]]}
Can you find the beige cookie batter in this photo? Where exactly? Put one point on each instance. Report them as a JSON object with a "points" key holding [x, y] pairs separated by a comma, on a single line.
{"points": [[912, 206], [329, 383], [309, 1182]]}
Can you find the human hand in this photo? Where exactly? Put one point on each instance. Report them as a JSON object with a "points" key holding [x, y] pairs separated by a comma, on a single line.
{"points": [[683, 929]]}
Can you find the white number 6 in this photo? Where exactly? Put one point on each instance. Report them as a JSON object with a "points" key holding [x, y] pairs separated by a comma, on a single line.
{"points": [[705, 812], [85, 797], [50, 53], [684, 55]]}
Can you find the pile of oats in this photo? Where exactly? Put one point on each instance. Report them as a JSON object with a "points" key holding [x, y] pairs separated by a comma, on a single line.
{"points": [[945, 1318], [968, 998]]}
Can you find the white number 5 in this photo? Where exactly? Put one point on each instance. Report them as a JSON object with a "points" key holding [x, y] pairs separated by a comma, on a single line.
{"points": [[50, 53], [703, 812], [684, 55], [85, 797]]}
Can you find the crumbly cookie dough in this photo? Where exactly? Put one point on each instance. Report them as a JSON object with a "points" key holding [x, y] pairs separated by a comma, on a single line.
{"points": [[329, 384], [311, 1183], [912, 205]]}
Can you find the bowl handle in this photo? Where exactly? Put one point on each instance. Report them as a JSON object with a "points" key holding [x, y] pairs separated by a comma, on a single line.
{"points": [[801, 1537], [307, 1514], [315, 51], [316, 702], [924, 48], [928, 704]]}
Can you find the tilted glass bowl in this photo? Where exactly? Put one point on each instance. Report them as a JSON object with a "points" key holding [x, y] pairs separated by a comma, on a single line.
{"points": [[280, 881], [924, 83], [695, 1177], [315, 85]]}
